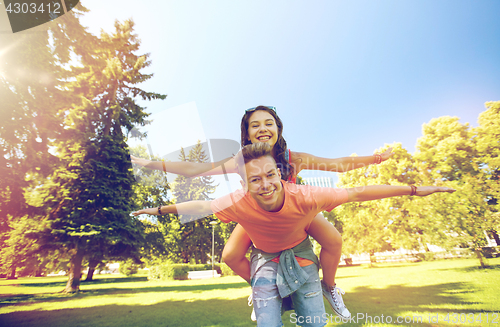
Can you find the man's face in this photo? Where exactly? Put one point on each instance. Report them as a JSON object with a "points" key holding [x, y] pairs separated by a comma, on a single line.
{"points": [[263, 181]]}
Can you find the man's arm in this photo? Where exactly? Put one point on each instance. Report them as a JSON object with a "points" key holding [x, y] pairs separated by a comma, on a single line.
{"points": [[375, 192], [188, 208]]}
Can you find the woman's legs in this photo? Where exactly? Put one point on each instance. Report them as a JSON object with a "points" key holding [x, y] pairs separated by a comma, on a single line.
{"points": [[331, 246], [235, 250], [331, 250]]}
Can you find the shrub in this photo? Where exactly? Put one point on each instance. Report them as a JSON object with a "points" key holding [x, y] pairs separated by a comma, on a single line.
{"points": [[128, 268], [178, 270], [226, 271], [168, 271], [490, 251]]}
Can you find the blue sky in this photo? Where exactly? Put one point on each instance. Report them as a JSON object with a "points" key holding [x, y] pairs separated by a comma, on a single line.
{"points": [[346, 76]]}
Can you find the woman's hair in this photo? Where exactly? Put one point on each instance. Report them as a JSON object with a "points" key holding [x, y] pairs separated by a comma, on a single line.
{"points": [[280, 146]]}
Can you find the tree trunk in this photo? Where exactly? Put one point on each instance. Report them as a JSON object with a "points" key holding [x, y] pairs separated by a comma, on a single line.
{"points": [[372, 258], [481, 258], [12, 274], [92, 265], [39, 272], [495, 236], [426, 247], [75, 272], [90, 275], [40, 269], [196, 258]]}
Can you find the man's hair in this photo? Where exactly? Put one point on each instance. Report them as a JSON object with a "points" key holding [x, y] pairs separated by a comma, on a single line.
{"points": [[250, 152]]}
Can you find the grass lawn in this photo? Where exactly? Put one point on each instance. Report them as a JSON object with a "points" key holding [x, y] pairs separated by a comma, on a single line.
{"points": [[430, 290]]}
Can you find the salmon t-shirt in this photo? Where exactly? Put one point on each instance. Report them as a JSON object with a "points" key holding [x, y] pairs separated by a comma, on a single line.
{"points": [[277, 231]]}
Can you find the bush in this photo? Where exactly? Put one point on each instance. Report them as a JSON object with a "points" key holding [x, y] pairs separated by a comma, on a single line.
{"points": [[490, 251], [168, 271], [226, 271], [128, 268], [178, 271], [426, 256], [160, 272]]}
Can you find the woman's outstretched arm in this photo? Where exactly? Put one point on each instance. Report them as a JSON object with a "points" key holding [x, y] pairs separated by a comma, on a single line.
{"points": [[307, 161], [188, 169]]}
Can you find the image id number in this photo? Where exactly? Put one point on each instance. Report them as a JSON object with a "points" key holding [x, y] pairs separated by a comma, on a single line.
{"points": [[33, 8], [462, 318]]}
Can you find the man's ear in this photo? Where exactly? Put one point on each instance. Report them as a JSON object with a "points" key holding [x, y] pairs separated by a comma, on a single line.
{"points": [[244, 185]]}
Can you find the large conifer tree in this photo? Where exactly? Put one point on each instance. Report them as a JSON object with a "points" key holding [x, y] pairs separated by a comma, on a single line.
{"points": [[33, 77], [88, 199]]}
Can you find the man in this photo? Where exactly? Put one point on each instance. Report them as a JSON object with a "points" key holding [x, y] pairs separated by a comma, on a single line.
{"points": [[276, 215]]}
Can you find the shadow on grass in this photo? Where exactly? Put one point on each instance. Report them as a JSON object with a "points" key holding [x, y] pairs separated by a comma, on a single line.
{"points": [[97, 281], [107, 280], [395, 300], [474, 268], [59, 296], [363, 302], [389, 265], [214, 312]]}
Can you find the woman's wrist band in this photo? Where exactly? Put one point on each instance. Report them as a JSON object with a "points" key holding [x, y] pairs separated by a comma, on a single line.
{"points": [[159, 210], [378, 158], [413, 190]]}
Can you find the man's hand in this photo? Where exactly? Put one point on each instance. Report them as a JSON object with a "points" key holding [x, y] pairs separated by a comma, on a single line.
{"points": [[426, 190], [138, 161], [148, 211]]}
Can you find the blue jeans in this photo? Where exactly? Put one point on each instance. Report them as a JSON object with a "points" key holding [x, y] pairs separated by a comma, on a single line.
{"points": [[307, 300]]}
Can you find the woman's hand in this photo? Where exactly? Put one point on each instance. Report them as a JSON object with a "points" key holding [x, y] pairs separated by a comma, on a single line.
{"points": [[387, 154], [426, 190]]}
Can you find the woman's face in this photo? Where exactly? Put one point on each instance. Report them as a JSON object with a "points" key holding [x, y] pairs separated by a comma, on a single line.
{"points": [[262, 128]]}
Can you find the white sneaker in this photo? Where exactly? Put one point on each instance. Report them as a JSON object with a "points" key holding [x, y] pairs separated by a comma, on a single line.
{"points": [[334, 296], [250, 303]]}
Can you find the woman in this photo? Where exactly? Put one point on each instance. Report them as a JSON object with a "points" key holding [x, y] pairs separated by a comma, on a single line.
{"points": [[262, 124]]}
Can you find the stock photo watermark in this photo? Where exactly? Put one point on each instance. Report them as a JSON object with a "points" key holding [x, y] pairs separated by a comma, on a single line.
{"points": [[365, 318], [24, 15]]}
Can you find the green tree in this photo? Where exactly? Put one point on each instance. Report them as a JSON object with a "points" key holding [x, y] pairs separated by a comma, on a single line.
{"points": [[450, 153], [190, 238], [87, 200], [151, 190], [487, 138], [33, 76], [364, 224], [392, 223], [446, 149]]}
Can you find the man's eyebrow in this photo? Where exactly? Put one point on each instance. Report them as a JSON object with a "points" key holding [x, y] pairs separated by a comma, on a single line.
{"points": [[252, 176]]}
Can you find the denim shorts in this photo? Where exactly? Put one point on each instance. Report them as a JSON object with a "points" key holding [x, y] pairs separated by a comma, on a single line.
{"points": [[307, 300]]}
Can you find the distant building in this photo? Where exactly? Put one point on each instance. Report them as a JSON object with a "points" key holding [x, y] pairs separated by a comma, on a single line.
{"points": [[319, 181]]}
